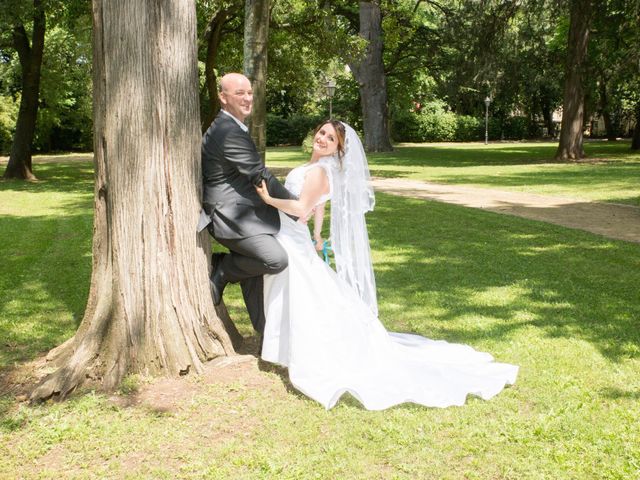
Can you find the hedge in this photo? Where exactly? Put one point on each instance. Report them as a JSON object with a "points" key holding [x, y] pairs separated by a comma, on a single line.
{"points": [[291, 130], [440, 126]]}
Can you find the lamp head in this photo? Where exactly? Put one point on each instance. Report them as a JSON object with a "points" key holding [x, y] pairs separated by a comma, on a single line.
{"points": [[330, 86]]}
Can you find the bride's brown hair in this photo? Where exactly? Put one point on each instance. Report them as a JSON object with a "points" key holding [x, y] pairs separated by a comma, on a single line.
{"points": [[340, 135]]}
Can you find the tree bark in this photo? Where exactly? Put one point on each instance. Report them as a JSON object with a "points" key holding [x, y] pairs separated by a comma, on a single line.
{"points": [[149, 308], [256, 39], [571, 131], [635, 142], [370, 75], [20, 163]]}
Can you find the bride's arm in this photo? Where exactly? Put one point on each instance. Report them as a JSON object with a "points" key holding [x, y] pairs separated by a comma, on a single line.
{"points": [[315, 185], [318, 220]]}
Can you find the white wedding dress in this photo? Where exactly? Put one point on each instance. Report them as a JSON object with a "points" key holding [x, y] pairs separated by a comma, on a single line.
{"points": [[332, 342]]}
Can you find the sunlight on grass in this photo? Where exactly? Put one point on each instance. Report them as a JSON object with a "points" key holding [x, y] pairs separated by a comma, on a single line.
{"points": [[610, 174], [562, 304]]}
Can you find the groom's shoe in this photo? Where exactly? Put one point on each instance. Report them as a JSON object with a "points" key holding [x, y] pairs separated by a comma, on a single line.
{"points": [[217, 281]]}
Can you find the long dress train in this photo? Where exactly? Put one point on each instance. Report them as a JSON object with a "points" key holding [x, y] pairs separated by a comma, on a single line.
{"points": [[332, 343]]}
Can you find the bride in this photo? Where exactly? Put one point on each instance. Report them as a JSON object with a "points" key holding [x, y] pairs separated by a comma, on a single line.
{"points": [[323, 325]]}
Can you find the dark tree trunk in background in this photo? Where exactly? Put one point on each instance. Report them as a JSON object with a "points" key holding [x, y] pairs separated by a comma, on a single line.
{"points": [[571, 133], [370, 75], [213, 38], [149, 308], [256, 39], [635, 142], [609, 125], [547, 114], [20, 165], [213, 43]]}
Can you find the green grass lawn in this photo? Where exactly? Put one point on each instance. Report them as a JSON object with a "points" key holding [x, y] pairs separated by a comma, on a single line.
{"points": [[562, 304], [611, 173]]}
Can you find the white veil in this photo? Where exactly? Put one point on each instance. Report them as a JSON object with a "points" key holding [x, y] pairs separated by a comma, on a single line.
{"points": [[352, 197]]}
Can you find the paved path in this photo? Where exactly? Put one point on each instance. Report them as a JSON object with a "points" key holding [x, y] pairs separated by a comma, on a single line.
{"points": [[611, 220]]}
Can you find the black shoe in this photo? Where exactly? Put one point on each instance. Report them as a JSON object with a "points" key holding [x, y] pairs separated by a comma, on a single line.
{"points": [[216, 281]]}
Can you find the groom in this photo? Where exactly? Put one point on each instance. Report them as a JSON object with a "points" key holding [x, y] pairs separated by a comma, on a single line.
{"points": [[240, 220]]}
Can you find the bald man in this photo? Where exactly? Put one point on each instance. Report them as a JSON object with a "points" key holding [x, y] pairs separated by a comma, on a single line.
{"points": [[240, 220]]}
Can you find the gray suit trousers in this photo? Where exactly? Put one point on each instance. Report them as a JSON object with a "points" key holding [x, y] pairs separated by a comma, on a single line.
{"points": [[249, 259]]}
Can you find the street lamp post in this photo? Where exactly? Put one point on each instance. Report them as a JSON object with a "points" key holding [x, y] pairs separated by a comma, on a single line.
{"points": [[330, 86], [487, 101]]}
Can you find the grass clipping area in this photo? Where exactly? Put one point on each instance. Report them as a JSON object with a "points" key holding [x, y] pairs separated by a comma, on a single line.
{"points": [[560, 303]]}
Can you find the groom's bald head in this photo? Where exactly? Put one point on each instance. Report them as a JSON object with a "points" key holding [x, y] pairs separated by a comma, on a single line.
{"points": [[231, 80], [236, 95]]}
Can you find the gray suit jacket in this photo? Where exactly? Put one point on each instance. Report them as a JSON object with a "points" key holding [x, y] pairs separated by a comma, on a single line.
{"points": [[231, 166]]}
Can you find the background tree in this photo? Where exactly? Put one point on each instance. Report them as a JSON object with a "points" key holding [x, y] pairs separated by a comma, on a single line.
{"points": [[370, 75], [256, 40], [149, 308], [635, 141], [440, 59], [571, 136], [64, 105], [614, 60], [30, 52], [220, 19]]}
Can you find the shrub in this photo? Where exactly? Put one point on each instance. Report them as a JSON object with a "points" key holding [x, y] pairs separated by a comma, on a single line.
{"points": [[515, 128], [438, 125], [8, 115], [468, 129], [406, 128], [435, 126], [291, 130]]}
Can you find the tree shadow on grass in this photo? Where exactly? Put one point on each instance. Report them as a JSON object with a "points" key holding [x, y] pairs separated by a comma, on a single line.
{"points": [[458, 263], [513, 273], [44, 276], [617, 177], [382, 173], [618, 393], [475, 155], [461, 156], [67, 177]]}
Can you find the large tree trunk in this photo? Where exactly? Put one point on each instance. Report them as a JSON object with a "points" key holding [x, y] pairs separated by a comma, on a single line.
{"points": [[571, 135], [20, 165], [371, 78], [256, 38], [149, 308], [635, 142]]}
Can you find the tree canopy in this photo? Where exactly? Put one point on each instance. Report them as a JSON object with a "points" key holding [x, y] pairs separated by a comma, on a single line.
{"points": [[439, 61]]}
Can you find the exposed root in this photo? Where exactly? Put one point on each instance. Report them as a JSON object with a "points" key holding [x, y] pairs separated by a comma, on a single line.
{"points": [[62, 382]]}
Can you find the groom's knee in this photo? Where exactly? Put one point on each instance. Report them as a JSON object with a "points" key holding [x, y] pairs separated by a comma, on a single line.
{"points": [[277, 262]]}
